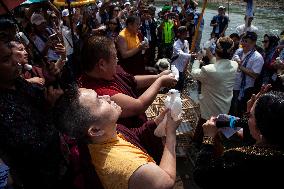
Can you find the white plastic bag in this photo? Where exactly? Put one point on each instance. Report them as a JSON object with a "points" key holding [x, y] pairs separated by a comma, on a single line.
{"points": [[174, 104]]}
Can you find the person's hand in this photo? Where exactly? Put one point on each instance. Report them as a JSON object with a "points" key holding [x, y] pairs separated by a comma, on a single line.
{"points": [[194, 55], [52, 95], [172, 125], [143, 46], [161, 116], [60, 49], [168, 80], [264, 89], [209, 54], [199, 56], [165, 72], [37, 80], [209, 128]]}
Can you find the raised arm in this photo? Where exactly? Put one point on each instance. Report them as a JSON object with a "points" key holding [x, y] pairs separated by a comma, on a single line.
{"points": [[144, 81], [132, 106], [152, 176]]}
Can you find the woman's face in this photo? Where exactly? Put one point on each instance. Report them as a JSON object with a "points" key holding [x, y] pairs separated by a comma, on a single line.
{"points": [[265, 42], [20, 53], [9, 66]]}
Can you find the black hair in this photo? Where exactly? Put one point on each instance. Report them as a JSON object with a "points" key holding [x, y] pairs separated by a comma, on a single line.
{"points": [[131, 20], [95, 48], [273, 40], [7, 24], [250, 35], [70, 116], [182, 29], [235, 35], [269, 114]]}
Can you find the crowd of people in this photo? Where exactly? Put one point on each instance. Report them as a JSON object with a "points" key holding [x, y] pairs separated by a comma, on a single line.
{"points": [[75, 85]]}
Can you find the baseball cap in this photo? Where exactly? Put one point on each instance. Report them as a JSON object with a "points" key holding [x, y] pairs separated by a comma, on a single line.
{"points": [[65, 12], [126, 3], [221, 7], [250, 35], [182, 29], [37, 19]]}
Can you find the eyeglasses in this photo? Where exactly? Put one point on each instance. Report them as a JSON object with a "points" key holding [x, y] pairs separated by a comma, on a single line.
{"points": [[265, 41]]}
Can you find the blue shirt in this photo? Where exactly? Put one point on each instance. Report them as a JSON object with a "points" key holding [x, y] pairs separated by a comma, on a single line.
{"points": [[196, 17]]}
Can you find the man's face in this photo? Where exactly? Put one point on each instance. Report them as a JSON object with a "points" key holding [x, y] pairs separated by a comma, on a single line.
{"points": [[111, 63], [101, 107], [236, 41], [247, 44], [9, 67], [134, 27]]}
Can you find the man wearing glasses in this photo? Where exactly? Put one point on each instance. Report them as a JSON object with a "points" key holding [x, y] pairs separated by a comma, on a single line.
{"points": [[250, 65]]}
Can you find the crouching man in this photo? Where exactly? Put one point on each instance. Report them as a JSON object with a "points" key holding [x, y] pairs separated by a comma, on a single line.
{"points": [[118, 162]]}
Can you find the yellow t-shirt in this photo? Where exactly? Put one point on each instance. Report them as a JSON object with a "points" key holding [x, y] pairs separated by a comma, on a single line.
{"points": [[116, 160], [131, 40]]}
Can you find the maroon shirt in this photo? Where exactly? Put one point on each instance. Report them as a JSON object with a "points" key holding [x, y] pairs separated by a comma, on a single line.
{"points": [[122, 83]]}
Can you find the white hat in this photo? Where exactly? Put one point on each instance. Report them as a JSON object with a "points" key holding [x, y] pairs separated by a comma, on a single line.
{"points": [[126, 3], [37, 19], [221, 7], [65, 12]]}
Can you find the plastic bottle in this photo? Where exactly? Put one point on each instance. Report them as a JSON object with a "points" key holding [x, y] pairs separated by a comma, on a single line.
{"points": [[144, 42]]}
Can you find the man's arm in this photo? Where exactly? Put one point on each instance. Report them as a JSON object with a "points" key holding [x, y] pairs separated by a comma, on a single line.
{"points": [[144, 81], [256, 68], [248, 72], [196, 72], [122, 47], [151, 176], [132, 106]]}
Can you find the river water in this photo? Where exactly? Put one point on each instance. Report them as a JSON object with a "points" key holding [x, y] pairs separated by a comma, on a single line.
{"points": [[267, 20]]}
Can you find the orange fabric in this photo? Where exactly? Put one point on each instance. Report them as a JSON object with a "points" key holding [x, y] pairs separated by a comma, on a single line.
{"points": [[116, 160], [131, 40]]}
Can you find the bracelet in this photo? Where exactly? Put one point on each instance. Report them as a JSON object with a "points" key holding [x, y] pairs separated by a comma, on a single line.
{"points": [[208, 140]]}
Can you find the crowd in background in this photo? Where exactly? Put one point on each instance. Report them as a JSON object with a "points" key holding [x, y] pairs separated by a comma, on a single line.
{"points": [[75, 85]]}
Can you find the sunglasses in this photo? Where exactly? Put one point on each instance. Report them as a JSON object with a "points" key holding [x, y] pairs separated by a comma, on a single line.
{"points": [[112, 23]]}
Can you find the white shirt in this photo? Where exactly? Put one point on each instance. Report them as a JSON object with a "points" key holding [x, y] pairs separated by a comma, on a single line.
{"points": [[241, 29], [217, 81], [254, 64], [182, 50]]}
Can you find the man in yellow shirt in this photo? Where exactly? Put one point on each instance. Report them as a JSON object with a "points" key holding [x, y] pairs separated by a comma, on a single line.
{"points": [[119, 163]]}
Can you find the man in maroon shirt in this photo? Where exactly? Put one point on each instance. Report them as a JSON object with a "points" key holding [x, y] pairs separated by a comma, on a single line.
{"points": [[101, 73]]}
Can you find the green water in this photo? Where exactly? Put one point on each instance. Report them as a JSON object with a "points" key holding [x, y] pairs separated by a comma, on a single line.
{"points": [[267, 20]]}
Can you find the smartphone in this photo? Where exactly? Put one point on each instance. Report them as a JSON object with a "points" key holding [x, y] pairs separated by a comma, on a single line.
{"points": [[54, 38]]}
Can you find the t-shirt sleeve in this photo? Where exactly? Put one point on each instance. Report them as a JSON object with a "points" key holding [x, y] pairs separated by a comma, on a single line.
{"points": [[258, 63], [214, 20]]}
